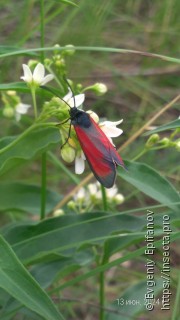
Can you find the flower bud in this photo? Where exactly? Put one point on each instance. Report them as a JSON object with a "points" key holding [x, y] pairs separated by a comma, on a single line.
{"points": [[8, 112], [165, 142], [177, 144], [100, 88], [47, 62], [60, 62], [58, 212], [119, 198], [71, 205], [11, 92], [32, 63], [79, 87], [152, 140], [68, 153], [72, 143], [70, 50]]}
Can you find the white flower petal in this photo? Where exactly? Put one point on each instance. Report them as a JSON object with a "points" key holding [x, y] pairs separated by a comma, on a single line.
{"points": [[111, 192], [68, 96], [27, 73], [47, 78], [80, 194], [17, 116], [92, 187], [79, 99], [83, 155], [93, 115], [111, 132], [79, 165], [112, 123], [22, 108], [39, 72]]}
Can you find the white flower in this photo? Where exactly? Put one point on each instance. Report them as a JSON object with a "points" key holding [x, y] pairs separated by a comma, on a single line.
{"points": [[20, 109], [80, 195], [38, 77], [111, 192], [95, 190], [80, 162], [75, 101], [92, 188], [93, 115]]}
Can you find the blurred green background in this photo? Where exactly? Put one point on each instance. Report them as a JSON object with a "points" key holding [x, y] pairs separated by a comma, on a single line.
{"points": [[138, 86]]}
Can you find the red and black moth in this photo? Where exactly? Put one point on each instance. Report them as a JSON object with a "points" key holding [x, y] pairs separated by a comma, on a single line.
{"points": [[100, 154]]}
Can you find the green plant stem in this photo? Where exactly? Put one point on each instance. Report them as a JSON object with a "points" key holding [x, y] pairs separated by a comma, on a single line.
{"points": [[140, 154], [104, 198], [101, 295], [59, 165], [102, 274], [43, 186], [33, 92], [42, 28], [102, 289]]}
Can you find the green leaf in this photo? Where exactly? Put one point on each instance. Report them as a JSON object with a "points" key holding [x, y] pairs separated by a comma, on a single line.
{"points": [[58, 265], [17, 281], [17, 86], [34, 143], [22, 87], [93, 49], [24, 197], [169, 126], [9, 49], [67, 2], [116, 245], [149, 181], [46, 273], [34, 243], [129, 256]]}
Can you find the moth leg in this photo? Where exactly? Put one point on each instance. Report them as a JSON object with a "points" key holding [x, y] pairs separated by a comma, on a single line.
{"points": [[69, 134]]}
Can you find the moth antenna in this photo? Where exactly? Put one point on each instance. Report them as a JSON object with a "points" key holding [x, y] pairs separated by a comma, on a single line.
{"points": [[65, 79], [53, 92]]}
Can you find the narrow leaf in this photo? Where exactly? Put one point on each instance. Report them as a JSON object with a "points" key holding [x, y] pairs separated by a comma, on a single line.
{"points": [[17, 281], [24, 197], [150, 182], [35, 242], [26, 148], [17, 86], [67, 2], [169, 126]]}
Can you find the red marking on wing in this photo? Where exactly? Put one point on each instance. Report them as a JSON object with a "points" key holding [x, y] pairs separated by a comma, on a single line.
{"points": [[100, 153]]}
